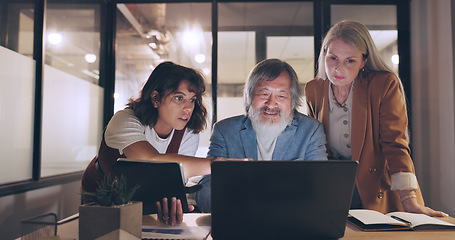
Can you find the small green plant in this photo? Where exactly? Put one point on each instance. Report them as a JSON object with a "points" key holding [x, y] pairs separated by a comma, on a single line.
{"points": [[112, 192]]}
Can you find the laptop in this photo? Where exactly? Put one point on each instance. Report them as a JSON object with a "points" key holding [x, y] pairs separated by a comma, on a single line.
{"points": [[281, 199], [157, 180]]}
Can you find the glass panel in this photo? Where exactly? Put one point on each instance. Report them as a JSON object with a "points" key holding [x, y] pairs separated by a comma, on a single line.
{"points": [[236, 59], [148, 34], [381, 20], [16, 26], [299, 53], [17, 86], [72, 99], [284, 29]]}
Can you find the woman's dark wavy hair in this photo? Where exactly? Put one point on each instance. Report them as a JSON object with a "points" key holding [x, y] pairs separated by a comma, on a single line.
{"points": [[168, 76]]}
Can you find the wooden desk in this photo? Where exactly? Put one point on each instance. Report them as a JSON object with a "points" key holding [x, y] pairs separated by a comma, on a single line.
{"points": [[70, 230]]}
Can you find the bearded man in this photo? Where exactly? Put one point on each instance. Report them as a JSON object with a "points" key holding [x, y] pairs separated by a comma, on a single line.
{"points": [[271, 130]]}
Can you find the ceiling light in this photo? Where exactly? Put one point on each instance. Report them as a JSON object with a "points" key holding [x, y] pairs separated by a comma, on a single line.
{"points": [[90, 57], [192, 36], [153, 45], [200, 58], [54, 38], [395, 59]]}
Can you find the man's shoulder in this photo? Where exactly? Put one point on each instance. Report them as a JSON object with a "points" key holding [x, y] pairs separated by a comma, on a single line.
{"points": [[230, 126], [232, 121], [302, 120]]}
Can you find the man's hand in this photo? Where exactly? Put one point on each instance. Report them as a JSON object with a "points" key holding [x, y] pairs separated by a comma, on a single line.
{"points": [[410, 205], [174, 215]]}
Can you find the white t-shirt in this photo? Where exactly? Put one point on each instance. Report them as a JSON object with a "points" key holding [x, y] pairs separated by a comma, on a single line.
{"points": [[124, 129]]}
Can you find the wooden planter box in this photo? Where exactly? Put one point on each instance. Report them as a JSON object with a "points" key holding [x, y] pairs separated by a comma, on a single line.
{"points": [[113, 223]]}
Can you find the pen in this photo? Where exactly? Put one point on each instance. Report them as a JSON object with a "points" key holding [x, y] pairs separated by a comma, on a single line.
{"points": [[402, 220]]}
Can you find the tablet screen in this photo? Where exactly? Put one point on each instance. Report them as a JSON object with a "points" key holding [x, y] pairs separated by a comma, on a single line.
{"points": [[157, 180]]}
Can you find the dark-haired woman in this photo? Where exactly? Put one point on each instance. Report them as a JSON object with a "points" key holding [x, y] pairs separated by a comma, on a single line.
{"points": [[162, 125]]}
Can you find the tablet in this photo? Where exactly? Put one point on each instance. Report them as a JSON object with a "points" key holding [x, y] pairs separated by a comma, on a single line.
{"points": [[157, 180]]}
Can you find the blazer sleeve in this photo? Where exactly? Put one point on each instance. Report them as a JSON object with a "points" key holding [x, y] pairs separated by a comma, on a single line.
{"points": [[393, 122], [314, 93], [218, 143], [309, 95], [316, 149]]}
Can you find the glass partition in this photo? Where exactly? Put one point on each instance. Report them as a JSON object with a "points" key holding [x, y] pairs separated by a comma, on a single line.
{"points": [[148, 34], [16, 26], [381, 20], [17, 86], [252, 31], [72, 98]]}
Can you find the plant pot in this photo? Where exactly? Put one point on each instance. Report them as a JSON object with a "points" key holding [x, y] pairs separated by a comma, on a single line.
{"points": [[114, 222]]}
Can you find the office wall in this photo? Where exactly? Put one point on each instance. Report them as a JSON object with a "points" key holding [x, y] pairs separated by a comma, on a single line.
{"points": [[63, 200], [433, 101]]}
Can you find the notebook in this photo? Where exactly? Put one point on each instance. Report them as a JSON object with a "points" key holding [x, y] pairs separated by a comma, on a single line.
{"points": [[281, 199], [157, 180]]}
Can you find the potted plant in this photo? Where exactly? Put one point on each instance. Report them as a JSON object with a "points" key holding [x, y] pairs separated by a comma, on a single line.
{"points": [[112, 214]]}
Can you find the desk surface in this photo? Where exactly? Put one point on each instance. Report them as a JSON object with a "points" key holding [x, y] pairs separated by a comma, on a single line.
{"points": [[70, 230]]}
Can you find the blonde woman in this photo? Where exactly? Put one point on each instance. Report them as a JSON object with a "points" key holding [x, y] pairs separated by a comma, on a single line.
{"points": [[361, 103]]}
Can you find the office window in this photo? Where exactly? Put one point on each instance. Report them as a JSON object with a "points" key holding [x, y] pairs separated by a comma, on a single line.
{"points": [[298, 51], [16, 26], [148, 34], [381, 20], [17, 86], [252, 31], [72, 98]]}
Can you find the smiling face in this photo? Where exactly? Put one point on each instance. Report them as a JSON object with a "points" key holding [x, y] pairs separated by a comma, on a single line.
{"points": [[174, 109], [343, 63], [272, 99]]}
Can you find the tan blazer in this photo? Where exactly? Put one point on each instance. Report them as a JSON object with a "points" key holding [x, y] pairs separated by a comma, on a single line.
{"points": [[378, 135]]}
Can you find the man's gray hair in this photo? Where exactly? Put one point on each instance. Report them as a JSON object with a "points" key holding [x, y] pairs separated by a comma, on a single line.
{"points": [[269, 70]]}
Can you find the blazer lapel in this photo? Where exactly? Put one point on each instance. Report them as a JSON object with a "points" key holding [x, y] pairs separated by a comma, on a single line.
{"points": [[284, 141], [325, 109], [248, 137], [359, 117]]}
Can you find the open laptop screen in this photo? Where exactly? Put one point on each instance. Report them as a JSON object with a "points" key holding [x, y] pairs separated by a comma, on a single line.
{"points": [[281, 199]]}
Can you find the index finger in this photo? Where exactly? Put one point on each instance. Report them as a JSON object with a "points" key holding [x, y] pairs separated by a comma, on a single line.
{"points": [[179, 214], [165, 210], [172, 211]]}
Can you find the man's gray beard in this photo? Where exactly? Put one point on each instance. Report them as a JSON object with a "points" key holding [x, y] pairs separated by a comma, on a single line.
{"points": [[268, 130]]}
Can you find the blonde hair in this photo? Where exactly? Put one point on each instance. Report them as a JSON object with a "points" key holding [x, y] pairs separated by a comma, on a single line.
{"points": [[358, 36]]}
